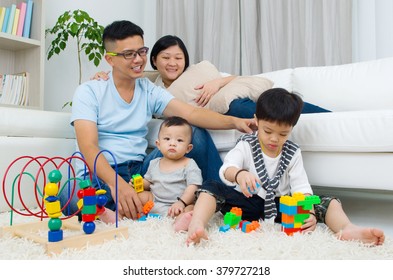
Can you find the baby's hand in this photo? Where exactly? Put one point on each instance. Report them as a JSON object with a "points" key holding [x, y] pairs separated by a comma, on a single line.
{"points": [[175, 209]]}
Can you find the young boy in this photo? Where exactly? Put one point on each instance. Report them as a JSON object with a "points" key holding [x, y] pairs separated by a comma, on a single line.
{"points": [[171, 180], [264, 166]]}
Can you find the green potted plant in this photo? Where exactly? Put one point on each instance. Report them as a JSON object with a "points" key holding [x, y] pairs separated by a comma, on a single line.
{"points": [[87, 32]]}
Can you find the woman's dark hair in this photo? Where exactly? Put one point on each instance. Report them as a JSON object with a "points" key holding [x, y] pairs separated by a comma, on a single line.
{"points": [[165, 42]]}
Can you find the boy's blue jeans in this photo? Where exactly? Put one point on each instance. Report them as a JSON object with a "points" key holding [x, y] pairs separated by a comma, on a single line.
{"points": [[204, 153]]}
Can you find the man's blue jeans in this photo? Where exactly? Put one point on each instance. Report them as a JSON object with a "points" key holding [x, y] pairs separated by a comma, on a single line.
{"points": [[204, 153]]}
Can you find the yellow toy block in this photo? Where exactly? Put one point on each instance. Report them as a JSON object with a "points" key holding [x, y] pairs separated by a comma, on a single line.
{"points": [[137, 182]]}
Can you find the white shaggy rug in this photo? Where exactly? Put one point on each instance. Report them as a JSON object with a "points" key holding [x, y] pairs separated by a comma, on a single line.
{"points": [[155, 239]]}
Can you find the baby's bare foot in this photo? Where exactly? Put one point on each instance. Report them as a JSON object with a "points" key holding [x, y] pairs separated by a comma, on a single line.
{"points": [[196, 236], [108, 217], [182, 222]]}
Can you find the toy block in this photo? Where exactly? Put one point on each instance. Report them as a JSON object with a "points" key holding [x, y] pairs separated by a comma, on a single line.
{"points": [[288, 200], [89, 209], [298, 196], [237, 211], [89, 192], [53, 209], [299, 218], [288, 219], [288, 209], [85, 184], [291, 231], [148, 206], [309, 201], [231, 219], [301, 210], [146, 209], [137, 182], [285, 225], [150, 215], [89, 200], [224, 228], [243, 225], [55, 236], [297, 225], [89, 217]]}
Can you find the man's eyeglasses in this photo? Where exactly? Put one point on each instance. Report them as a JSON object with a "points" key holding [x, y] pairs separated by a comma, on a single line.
{"points": [[131, 54]]}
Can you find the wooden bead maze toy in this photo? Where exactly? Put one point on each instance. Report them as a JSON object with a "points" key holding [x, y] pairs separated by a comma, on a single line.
{"points": [[91, 203]]}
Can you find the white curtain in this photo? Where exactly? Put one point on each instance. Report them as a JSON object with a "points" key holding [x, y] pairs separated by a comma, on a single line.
{"points": [[253, 36], [372, 29]]}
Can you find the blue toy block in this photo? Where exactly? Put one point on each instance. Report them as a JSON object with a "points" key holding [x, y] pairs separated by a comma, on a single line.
{"points": [[225, 228], [55, 235]]}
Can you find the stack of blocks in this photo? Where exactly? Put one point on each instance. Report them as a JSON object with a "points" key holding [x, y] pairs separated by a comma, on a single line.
{"points": [[53, 208], [233, 219], [92, 202], [295, 209]]}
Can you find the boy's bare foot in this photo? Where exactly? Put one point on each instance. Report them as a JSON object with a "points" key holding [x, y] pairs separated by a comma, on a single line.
{"points": [[108, 217], [182, 222], [366, 235]]}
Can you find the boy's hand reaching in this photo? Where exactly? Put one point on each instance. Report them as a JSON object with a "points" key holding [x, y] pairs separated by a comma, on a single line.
{"points": [[248, 183], [310, 224]]}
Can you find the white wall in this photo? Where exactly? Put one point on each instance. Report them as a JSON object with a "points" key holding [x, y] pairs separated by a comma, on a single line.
{"points": [[61, 71]]}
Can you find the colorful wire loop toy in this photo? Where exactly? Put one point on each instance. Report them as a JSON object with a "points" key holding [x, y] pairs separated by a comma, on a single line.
{"points": [[46, 186]]}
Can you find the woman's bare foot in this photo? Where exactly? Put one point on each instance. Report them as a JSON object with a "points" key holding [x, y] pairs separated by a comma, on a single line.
{"points": [[182, 222], [372, 236]]}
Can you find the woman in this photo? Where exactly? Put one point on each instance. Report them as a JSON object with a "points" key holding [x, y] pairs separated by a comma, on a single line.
{"points": [[169, 56]]}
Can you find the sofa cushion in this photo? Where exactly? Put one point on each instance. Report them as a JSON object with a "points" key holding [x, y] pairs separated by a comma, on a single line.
{"points": [[241, 87], [354, 131], [349, 87], [183, 87], [35, 123]]}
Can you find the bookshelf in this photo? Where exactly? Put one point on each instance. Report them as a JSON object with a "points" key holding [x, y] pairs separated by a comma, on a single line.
{"points": [[20, 54]]}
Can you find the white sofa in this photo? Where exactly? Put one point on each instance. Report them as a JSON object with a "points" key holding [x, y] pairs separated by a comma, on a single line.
{"points": [[352, 147]]}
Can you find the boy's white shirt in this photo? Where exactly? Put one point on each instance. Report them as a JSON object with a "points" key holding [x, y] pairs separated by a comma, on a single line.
{"points": [[293, 180]]}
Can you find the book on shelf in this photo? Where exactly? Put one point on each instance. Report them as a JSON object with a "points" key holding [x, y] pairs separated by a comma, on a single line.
{"points": [[22, 7], [14, 89], [28, 18], [16, 20], [11, 19], [2, 14], [6, 18]]}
